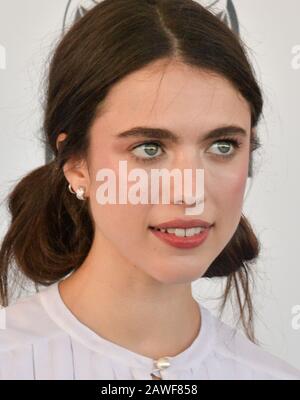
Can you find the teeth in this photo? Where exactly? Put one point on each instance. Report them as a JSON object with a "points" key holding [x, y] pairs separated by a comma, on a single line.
{"points": [[171, 230], [182, 232]]}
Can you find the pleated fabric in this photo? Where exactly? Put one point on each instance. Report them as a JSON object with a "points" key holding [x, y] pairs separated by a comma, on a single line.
{"points": [[42, 340]]}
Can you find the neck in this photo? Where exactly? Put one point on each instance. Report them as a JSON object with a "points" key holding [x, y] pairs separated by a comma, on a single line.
{"points": [[125, 306]]}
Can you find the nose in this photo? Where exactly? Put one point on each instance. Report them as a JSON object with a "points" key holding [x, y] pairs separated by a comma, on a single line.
{"points": [[192, 193], [193, 204]]}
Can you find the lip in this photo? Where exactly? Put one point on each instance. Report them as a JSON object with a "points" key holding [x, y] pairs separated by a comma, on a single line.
{"points": [[187, 242], [183, 223]]}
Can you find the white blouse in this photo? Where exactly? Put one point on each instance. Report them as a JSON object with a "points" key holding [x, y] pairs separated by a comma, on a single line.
{"points": [[40, 338]]}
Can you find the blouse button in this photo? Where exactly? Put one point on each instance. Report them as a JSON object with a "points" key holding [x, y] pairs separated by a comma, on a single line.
{"points": [[162, 363]]}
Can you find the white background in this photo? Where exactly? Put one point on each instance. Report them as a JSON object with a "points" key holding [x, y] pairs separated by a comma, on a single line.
{"points": [[271, 29]]}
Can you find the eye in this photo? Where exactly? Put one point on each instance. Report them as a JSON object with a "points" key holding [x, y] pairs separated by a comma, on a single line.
{"points": [[149, 149], [225, 145]]}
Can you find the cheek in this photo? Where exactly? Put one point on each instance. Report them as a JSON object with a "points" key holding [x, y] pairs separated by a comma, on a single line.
{"points": [[123, 230], [126, 222], [236, 189], [229, 191], [227, 197]]}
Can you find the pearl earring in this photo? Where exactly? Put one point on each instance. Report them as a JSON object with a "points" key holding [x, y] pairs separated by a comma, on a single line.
{"points": [[79, 192]]}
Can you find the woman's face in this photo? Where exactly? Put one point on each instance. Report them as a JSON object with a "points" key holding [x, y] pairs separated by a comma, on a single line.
{"points": [[190, 103]]}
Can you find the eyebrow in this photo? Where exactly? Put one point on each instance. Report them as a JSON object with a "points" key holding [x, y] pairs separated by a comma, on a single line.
{"points": [[166, 134]]}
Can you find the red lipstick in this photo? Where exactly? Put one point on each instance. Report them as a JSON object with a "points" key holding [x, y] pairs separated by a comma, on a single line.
{"points": [[182, 242], [184, 223]]}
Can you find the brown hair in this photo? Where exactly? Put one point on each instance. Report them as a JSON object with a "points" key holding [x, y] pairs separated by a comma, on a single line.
{"points": [[51, 232]]}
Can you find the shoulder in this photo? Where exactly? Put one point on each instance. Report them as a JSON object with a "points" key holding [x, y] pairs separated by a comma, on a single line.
{"points": [[25, 322], [246, 359]]}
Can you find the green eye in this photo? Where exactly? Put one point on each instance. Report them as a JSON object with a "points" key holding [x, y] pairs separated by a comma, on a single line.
{"points": [[149, 149], [224, 147]]}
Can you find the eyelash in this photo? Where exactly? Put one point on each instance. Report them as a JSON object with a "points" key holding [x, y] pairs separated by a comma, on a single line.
{"points": [[150, 159], [234, 142]]}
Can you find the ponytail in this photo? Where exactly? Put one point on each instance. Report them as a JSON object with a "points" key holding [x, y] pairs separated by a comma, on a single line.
{"points": [[50, 232]]}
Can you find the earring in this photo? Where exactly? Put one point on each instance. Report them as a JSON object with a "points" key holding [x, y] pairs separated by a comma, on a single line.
{"points": [[70, 189], [79, 192]]}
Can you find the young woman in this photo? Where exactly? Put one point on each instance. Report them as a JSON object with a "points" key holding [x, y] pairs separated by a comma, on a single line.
{"points": [[158, 85]]}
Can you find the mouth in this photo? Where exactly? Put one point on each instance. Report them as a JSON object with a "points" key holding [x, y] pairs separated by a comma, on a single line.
{"points": [[181, 238], [180, 232]]}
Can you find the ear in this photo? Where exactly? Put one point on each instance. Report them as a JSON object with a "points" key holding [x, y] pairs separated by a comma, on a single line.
{"points": [[75, 170], [77, 174]]}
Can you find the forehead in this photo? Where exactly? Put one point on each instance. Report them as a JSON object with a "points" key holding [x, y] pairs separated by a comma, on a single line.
{"points": [[175, 95]]}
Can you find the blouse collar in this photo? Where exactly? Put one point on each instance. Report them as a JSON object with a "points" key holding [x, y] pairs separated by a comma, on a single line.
{"points": [[66, 320]]}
